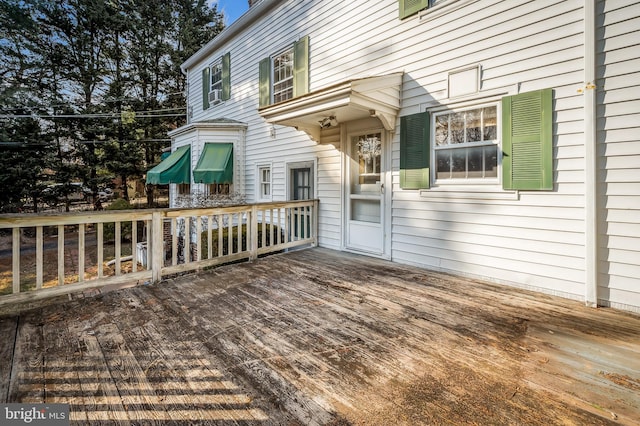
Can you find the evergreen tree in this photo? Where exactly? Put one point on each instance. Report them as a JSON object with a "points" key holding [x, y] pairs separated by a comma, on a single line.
{"points": [[81, 68]]}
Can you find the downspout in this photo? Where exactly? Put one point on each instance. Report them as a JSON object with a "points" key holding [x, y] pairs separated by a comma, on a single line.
{"points": [[591, 156]]}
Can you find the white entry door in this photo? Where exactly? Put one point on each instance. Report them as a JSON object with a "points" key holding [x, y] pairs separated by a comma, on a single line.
{"points": [[365, 193]]}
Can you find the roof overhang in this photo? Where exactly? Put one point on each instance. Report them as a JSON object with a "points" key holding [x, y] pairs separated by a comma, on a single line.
{"points": [[377, 96]]}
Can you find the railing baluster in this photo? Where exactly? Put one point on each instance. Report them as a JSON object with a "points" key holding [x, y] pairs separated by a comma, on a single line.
{"points": [[16, 260], [230, 234], [187, 240], [209, 237], [81, 252], [287, 225], [240, 227], [39, 257], [118, 250], [156, 237], [252, 227], [271, 222], [263, 239], [278, 233], [174, 241], [198, 237], [100, 247], [134, 245], [60, 254], [314, 228], [220, 235]]}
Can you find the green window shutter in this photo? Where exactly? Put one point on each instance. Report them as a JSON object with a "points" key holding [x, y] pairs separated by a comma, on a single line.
{"points": [[206, 84], [527, 141], [414, 151], [226, 76], [301, 66], [411, 7], [265, 82]]}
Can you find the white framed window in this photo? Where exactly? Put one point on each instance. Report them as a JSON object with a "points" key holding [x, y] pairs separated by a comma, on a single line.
{"points": [[216, 75], [466, 145], [264, 183], [282, 68]]}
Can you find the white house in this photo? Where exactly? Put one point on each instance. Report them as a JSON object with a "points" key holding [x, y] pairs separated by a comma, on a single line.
{"points": [[492, 139]]}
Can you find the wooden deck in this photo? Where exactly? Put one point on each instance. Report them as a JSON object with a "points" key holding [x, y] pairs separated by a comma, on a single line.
{"points": [[323, 337]]}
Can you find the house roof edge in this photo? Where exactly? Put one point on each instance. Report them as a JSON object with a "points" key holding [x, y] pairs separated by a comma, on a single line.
{"points": [[252, 15]]}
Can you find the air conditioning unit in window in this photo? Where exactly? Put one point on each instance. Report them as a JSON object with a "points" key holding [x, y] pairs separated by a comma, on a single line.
{"points": [[215, 96]]}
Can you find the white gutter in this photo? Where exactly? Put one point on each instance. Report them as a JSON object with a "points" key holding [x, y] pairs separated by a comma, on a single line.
{"points": [[590, 156], [254, 13]]}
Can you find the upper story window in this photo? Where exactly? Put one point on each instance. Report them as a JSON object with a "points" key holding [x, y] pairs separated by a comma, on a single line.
{"points": [[216, 82], [466, 144], [216, 76], [285, 75]]}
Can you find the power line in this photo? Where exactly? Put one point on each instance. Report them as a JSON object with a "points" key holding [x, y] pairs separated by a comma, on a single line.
{"points": [[96, 115], [38, 144]]}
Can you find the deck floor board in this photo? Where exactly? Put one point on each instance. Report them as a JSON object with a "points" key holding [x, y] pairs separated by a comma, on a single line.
{"points": [[318, 337]]}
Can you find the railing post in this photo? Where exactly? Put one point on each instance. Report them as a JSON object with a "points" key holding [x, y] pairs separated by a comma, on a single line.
{"points": [[16, 260], [155, 252], [253, 232], [315, 214]]}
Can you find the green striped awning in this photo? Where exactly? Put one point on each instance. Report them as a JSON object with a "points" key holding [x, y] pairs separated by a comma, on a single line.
{"points": [[215, 164], [176, 168]]}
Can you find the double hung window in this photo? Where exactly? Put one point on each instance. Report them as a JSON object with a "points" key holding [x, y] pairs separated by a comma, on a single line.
{"points": [[509, 141], [264, 182], [216, 76], [466, 144], [285, 75], [216, 82]]}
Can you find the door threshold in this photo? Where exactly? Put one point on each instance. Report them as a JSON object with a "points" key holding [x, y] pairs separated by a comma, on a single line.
{"points": [[366, 253]]}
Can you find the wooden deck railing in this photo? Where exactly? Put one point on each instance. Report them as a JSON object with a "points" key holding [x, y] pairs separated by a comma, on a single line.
{"points": [[65, 253]]}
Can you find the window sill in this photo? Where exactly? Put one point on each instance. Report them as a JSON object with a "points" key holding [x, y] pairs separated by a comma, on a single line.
{"points": [[469, 193]]}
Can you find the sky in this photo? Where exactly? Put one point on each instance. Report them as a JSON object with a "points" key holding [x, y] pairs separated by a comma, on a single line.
{"points": [[232, 9]]}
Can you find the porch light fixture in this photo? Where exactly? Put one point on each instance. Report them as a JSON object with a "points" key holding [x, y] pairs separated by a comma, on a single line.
{"points": [[328, 122]]}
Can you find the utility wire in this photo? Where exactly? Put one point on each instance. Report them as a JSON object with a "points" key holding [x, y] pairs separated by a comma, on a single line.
{"points": [[96, 115]]}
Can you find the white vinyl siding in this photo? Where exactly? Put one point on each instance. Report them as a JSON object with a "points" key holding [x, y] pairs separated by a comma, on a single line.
{"points": [[523, 238], [618, 125], [533, 240]]}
